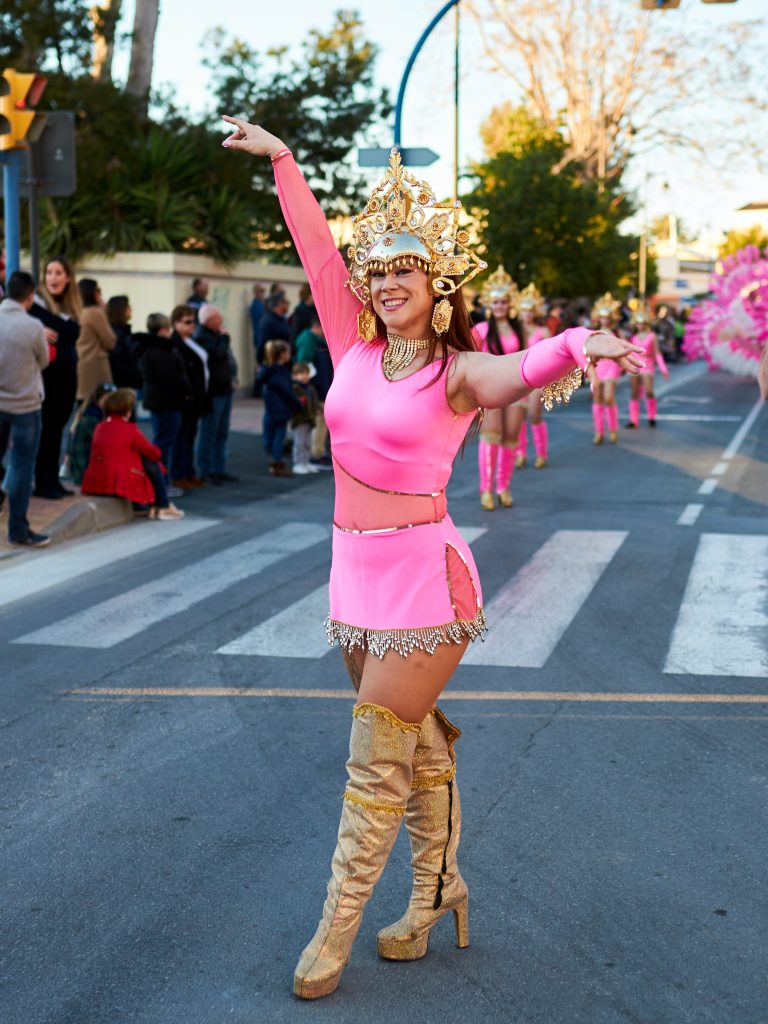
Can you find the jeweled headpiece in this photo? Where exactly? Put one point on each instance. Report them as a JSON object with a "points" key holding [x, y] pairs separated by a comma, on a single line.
{"points": [[499, 285], [402, 225], [606, 306], [531, 298]]}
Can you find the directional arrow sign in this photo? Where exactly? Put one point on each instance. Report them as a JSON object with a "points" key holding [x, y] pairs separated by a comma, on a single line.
{"points": [[379, 157]]}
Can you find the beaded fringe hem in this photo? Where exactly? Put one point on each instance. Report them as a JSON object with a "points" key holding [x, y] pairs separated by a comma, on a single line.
{"points": [[404, 641]]}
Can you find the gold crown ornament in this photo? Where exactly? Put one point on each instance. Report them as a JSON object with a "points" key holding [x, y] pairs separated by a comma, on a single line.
{"points": [[606, 307], [532, 299], [403, 225], [640, 316], [499, 285]]}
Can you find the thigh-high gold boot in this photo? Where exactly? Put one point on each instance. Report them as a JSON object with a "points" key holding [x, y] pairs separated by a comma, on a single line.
{"points": [[380, 769], [433, 819]]}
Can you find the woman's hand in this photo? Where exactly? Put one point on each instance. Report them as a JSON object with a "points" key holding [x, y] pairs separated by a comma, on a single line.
{"points": [[607, 346], [51, 336], [251, 138]]}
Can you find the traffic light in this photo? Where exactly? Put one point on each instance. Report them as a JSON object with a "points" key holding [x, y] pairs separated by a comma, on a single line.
{"points": [[19, 91]]}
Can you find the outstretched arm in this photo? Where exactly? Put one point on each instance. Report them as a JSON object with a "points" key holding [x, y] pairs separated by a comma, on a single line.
{"points": [[495, 381], [337, 307]]}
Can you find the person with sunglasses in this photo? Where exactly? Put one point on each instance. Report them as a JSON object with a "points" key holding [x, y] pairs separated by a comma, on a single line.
{"points": [[196, 364]]}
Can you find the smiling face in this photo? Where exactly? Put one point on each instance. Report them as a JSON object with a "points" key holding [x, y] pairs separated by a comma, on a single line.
{"points": [[500, 308], [402, 299]]}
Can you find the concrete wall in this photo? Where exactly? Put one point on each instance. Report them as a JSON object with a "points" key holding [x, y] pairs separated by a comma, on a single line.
{"points": [[156, 282]]}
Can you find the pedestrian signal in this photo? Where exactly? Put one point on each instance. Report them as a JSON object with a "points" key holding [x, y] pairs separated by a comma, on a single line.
{"points": [[19, 92]]}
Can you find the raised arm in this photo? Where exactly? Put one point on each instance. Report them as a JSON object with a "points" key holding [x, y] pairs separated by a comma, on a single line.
{"points": [[494, 381], [337, 307]]}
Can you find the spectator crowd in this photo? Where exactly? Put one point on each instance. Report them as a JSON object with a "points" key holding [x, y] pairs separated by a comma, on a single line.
{"points": [[75, 376]]}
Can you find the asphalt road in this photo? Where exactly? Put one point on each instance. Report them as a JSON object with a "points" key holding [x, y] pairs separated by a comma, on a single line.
{"points": [[174, 732]]}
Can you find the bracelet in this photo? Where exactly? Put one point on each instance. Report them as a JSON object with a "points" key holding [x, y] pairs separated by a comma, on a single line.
{"points": [[280, 154], [590, 360]]}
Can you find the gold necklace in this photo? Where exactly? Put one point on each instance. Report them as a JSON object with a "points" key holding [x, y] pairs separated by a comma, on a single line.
{"points": [[400, 353]]}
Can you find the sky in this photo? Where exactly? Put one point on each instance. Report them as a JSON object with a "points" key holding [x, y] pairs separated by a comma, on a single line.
{"points": [[704, 200]]}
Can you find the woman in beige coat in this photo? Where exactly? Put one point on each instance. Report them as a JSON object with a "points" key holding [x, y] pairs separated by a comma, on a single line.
{"points": [[96, 341]]}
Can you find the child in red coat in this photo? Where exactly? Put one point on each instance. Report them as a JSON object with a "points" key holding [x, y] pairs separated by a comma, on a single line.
{"points": [[124, 463]]}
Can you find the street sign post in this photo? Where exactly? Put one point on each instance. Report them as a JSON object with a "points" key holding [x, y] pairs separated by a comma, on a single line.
{"points": [[411, 156]]}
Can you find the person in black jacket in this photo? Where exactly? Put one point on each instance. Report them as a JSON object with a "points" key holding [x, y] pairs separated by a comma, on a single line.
{"points": [[195, 359], [123, 359], [301, 318], [280, 403], [167, 392], [274, 324], [222, 368], [58, 306]]}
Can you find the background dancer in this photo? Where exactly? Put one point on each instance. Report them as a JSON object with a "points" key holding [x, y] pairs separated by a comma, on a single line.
{"points": [[532, 312], [646, 340], [501, 334], [405, 598], [605, 313]]}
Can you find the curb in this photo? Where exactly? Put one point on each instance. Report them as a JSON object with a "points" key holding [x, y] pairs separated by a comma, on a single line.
{"points": [[90, 516]]}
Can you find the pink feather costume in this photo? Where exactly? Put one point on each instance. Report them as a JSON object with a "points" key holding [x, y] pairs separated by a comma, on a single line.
{"points": [[402, 576]]}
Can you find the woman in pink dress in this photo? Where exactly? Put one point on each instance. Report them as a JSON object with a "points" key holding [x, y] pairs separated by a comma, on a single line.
{"points": [[405, 598], [645, 339], [532, 311], [499, 335], [605, 314]]}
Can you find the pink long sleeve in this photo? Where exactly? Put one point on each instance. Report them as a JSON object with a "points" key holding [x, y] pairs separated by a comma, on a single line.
{"points": [[324, 266], [552, 358], [662, 363]]}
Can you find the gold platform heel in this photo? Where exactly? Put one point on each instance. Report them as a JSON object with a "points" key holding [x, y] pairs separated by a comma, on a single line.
{"points": [[380, 769], [505, 499], [486, 501], [433, 820]]}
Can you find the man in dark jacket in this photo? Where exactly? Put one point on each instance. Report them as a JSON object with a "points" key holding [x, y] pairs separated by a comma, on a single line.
{"points": [[222, 368], [274, 324], [301, 318], [167, 392], [195, 360]]}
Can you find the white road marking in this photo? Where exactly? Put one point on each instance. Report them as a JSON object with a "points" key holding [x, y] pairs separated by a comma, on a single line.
{"points": [[125, 615], [742, 432], [708, 486], [719, 469], [302, 622], [690, 514], [530, 614], [722, 627], [32, 575]]}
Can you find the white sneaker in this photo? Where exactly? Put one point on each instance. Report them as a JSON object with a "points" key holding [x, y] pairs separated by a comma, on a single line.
{"points": [[300, 470]]}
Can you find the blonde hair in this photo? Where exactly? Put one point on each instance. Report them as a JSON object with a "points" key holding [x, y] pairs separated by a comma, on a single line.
{"points": [[69, 301], [273, 350]]}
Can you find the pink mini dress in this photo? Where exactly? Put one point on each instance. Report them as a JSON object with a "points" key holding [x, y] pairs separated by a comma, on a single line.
{"points": [[509, 342], [647, 342], [402, 576]]}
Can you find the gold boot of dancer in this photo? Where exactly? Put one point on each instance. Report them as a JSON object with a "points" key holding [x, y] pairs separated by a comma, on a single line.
{"points": [[380, 770], [505, 499], [521, 461], [540, 462], [486, 501], [433, 820], [597, 439]]}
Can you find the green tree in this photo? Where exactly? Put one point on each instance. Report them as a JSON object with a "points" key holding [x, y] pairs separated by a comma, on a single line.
{"points": [[45, 34], [735, 240], [543, 219]]}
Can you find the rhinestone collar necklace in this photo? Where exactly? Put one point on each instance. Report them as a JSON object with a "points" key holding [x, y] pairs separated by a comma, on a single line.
{"points": [[400, 353]]}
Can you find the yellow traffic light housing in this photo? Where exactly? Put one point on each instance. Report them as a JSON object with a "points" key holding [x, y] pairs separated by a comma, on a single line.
{"points": [[20, 91]]}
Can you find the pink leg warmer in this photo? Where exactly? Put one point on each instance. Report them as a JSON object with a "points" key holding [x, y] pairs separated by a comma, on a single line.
{"points": [[597, 417], [522, 442], [540, 438], [613, 418], [650, 405], [634, 411], [505, 464], [486, 462]]}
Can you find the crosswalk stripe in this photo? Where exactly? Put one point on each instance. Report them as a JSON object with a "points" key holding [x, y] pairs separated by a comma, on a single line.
{"points": [[722, 627], [34, 574], [302, 621], [529, 615], [125, 615]]}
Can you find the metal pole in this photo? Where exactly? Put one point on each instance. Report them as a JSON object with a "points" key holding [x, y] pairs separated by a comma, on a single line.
{"points": [[11, 212], [411, 60], [456, 108], [34, 216], [643, 260]]}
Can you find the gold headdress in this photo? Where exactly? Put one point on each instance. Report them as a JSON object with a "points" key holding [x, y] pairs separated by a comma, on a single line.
{"points": [[640, 315], [606, 306], [531, 298], [499, 285], [402, 225]]}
